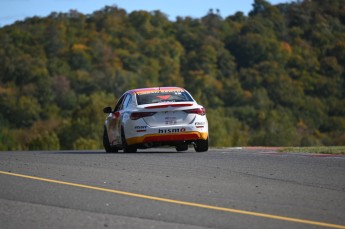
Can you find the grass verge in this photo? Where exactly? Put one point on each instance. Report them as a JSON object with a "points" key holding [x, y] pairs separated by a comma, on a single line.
{"points": [[339, 150]]}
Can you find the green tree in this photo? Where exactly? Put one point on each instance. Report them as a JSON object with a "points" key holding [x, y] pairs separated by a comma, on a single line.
{"points": [[272, 77], [278, 129]]}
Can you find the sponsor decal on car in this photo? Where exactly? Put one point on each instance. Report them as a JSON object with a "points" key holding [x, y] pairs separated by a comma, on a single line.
{"points": [[140, 127], [199, 123], [154, 91], [175, 130]]}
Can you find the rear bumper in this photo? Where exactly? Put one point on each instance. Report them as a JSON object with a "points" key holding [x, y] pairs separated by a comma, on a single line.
{"points": [[185, 136]]}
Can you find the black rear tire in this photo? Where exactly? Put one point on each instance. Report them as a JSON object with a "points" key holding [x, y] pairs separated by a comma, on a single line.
{"points": [[127, 148], [201, 145], [108, 148]]}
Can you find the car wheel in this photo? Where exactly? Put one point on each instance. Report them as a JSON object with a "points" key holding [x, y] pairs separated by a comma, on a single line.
{"points": [[108, 148], [201, 145], [127, 148], [181, 147]]}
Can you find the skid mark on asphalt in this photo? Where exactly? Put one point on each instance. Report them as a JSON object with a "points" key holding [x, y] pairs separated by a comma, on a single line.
{"points": [[191, 204]]}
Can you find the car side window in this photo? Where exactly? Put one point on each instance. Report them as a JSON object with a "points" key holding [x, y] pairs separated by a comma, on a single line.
{"points": [[124, 102], [119, 104], [127, 101]]}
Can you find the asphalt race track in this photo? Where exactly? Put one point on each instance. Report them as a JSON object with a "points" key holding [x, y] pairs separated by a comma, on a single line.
{"points": [[162, 188]]}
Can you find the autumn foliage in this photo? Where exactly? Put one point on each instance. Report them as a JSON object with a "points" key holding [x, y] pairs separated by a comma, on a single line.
{"points": [[274, 77]]}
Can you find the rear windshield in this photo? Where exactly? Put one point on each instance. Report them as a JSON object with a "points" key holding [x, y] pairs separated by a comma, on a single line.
{"points": [[160, 97]]}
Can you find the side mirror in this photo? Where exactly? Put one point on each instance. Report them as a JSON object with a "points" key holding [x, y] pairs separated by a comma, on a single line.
{"points": [[107, 110]]}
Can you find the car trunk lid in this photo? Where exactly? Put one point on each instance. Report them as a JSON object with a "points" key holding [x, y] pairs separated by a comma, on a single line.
{"points": [[169, 114]]}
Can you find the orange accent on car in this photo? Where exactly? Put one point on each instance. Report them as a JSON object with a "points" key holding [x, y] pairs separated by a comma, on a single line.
{"points": [[186, 136]]}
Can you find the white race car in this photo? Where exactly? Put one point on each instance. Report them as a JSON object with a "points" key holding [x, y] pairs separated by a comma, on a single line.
{"points": [[152, 117]]}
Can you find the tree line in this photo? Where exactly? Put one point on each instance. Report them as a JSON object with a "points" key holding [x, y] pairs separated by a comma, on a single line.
{"points": [[274, 77]]}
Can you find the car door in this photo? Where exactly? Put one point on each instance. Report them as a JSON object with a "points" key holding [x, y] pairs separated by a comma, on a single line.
{"points": [[113, 121]]}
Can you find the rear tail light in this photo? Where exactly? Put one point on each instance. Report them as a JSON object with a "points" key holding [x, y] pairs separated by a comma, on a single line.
{"points": [[138, 115], [199, 111]]}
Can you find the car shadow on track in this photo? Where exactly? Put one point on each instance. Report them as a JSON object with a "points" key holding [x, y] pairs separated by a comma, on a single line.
{"points": [[92, 152]]}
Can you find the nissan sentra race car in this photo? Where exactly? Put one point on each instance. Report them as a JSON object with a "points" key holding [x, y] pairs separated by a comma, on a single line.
{"points": [[153, 117]]}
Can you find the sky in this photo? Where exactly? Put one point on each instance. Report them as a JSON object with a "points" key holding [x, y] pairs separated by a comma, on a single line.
{"points": [[17, 10]]}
